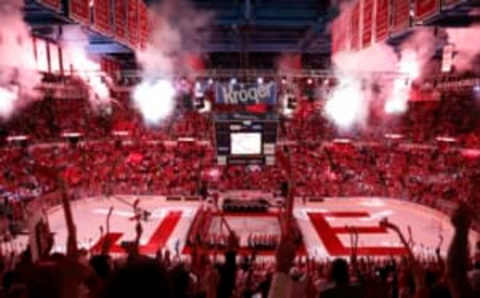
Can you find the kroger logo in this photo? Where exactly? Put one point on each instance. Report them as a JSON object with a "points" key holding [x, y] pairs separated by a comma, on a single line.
{"points": [[236, 94]]}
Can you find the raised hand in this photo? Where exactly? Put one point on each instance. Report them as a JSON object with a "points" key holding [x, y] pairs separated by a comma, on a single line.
{"points": [[462, 217], [437, 250], [353, 241], [138, 230], [233, 241], [410, 237], [385, 223], [107, 243]]}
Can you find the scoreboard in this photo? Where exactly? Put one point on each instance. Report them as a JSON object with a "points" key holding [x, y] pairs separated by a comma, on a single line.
{"points": [[246, 141]]}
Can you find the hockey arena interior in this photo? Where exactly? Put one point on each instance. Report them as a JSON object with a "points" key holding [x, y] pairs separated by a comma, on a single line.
{"points": [[240, 148]]}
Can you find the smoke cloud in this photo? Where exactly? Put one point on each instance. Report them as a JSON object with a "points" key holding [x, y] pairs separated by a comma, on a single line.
{"points": [[75, 43], [417, 52], [466, 47], [379, 73], [179, 31], [363, 78], [18, 74]]}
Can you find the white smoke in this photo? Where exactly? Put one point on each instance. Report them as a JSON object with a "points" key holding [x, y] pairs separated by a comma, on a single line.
{"points": [[178, 30], [361, 81], [346, 106], [377, 73], [18, 74], [75, 43], [415, 55], [155, 99], [417, 52], [466, 47]]}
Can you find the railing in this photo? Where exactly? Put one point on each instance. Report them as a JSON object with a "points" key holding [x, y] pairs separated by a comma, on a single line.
{"points": [[257, 73]]}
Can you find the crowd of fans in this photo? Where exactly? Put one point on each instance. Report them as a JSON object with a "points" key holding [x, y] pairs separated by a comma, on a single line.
{"points": [[412, 167], [418, 173], [82, 274], [155, 161]]}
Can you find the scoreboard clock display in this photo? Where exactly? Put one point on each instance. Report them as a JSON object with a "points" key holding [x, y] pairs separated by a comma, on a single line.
{"points": [[246, 141]]}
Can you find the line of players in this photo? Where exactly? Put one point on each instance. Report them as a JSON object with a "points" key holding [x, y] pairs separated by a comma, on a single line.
{"points": [[254, 241]]}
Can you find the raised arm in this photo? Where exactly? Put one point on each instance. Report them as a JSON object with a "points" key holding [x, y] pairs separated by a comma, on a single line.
{"points": [[418, 272], [107, 243], [72, 249], [385, 223], [440, 261], [457, 260], [281, 283], [354, 251]]}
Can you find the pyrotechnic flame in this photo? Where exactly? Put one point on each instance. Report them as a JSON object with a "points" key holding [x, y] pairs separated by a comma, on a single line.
{"points": [[346, 106], [155, 100], [409, 64], [7, 102], [90, 71], [409, 67], [17, 63]]}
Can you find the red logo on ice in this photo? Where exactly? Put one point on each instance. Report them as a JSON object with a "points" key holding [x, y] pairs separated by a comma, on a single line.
{"points": [[329, 235], [158, 239]]}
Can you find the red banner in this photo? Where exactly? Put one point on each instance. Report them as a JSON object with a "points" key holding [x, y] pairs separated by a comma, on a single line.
{"points": [[381, 20], [355, 27], [400, 15], [335, 38], [53, 4], [121, 20], [367, 23], [80, 11], [101, 17], [340, 33], [426, 8], [143, 25], [133, 22]]}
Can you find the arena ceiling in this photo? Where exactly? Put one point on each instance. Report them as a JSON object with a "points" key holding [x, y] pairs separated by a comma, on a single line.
{"points": [[253, 26], [237, 26]]}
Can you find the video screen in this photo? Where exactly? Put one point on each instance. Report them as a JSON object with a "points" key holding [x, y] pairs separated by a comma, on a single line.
{"points": [[248, 143]]}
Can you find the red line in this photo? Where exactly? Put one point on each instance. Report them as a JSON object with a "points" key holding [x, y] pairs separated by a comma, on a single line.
{"points": [[346, 214], [327, 235], [334, 246], [162, 233], [113, 237]]}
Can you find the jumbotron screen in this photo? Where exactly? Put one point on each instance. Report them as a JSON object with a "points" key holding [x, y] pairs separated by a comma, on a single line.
{"points": [[246, 143]]}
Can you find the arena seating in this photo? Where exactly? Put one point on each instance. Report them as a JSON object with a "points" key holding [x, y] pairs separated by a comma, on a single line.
{"points": [[418, 168]]}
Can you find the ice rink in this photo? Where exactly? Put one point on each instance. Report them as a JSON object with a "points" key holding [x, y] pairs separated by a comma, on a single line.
{"points": [[322, 224]]}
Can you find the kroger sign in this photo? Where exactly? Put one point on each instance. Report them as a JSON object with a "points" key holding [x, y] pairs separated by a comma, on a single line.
{"points": [[246, 94]]}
